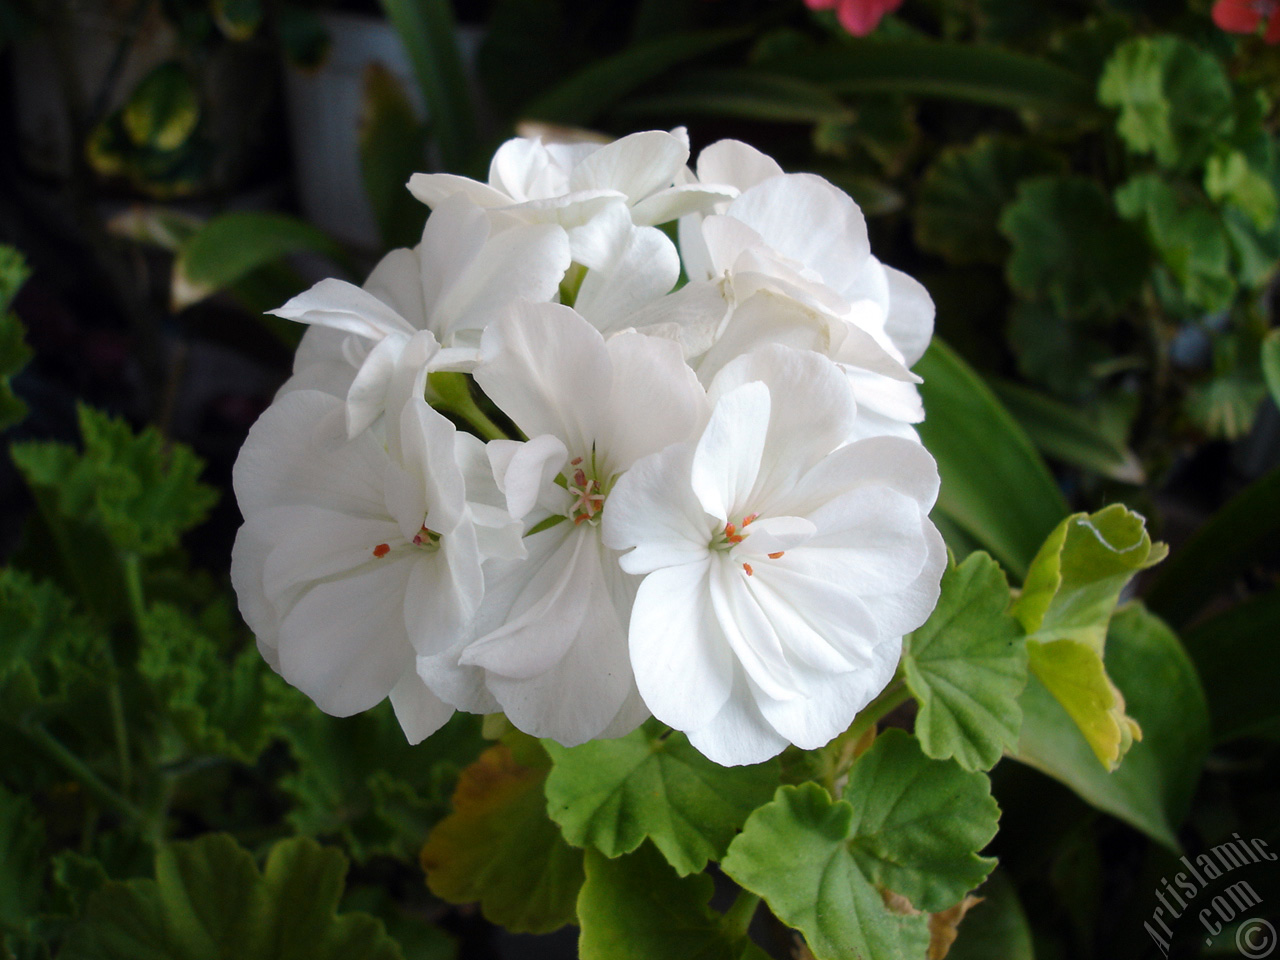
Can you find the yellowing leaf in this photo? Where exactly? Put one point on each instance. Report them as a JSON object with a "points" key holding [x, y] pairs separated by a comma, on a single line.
{"points": [[499, 847]]}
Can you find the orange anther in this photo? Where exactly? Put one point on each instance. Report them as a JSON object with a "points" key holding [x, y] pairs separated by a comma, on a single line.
{"points": [[381, 550], [575, 461], [775, 556], [748, 518], [747, 567]]}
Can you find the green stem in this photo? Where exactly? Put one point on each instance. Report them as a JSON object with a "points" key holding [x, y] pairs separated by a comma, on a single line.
{"points": [[479, 421], [891, 697], [120, 731], [80, 770], [133, 586], [737, 919]]}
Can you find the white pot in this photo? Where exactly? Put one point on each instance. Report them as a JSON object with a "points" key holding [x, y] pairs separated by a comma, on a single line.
{"points": [[324, 121]]}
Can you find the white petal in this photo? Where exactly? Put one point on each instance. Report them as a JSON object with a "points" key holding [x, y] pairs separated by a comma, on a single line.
{"points": [[525, 470], [442, 594], [735, 163], [311, 544], [636, 165], [655, 400], [892, 462], [367, 395], [911, 314], [652, 512], [680, 201], [692, 316], [397, 282], [548, 370], [726, 461], [889, 399], [682, 661], [748, 631], [420, 712], [806, 219], [248, 560], [344, 642], [647, 268], [738, 734], [344, 306], [434, 188], [297, 453], [774, 535], [898, 613]]}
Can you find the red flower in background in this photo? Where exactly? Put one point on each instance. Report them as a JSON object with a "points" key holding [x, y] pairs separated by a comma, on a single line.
{"points": [[859, 17], [1244, 16]]}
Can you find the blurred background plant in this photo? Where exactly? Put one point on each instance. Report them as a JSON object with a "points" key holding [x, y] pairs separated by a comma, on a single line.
{"points": [[1088, 188]]}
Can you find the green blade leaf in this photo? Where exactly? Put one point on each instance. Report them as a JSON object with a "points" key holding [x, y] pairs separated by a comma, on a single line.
{"points": [[994, 485], [231, 246], [586, 95], [500, 848], [612, 794], [1152, 789], [794, 852], [209, 902], [918, 823], [14, 352], [1271, 364], [163, 110], [1174, 99], [1071, 249], [966, 666], [429, 34], [1235, 657], [635, 908], [964, 190], [1063, 432], [392, 147], [978, 74], [749, 94], [1228, 543]]}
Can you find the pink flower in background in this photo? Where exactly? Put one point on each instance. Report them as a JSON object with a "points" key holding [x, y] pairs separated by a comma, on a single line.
{"points": [[860, 17], [1244, 16]]}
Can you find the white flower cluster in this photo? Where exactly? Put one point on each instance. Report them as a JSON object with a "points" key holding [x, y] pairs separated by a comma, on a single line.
{"points": [[717, 510]]}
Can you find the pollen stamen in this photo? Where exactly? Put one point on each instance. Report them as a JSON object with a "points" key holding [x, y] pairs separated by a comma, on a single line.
{"points": [[747, 567], [381, 550], [775, 556]]}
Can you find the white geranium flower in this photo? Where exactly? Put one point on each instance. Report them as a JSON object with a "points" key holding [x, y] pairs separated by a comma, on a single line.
{"points": [[551, 632], [571, 183], [356, 556], [781, 565], [467, 269], [789, 261]]}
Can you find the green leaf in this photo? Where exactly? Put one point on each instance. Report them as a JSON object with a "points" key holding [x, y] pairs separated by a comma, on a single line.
{"points": [[1152, 789], [499, 847], [163, 110], [221, 705], [1188, 236], [232, 245], [393, 145], [1230, 542], [14, 352], [745, 93], [1064, 432], [918, 823], [965, 189], [995, 486], [209, 902], [1271, 364], [635, 908], [48, 651], [237, 19], [1229, 178], [966, 667], [1053, 351], [612, 794], [586, 95], [1065, 608], [1235, 658], [996, 927], [1174, 99], [144, 492], [430, 37], [1071, 249], [22, 862], [794, 852], [358, 779], [978, 74]]}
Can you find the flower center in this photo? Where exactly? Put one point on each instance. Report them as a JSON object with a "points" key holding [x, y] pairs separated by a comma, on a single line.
{"points": [[424, 539], [734, 534], [588, 491]]}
